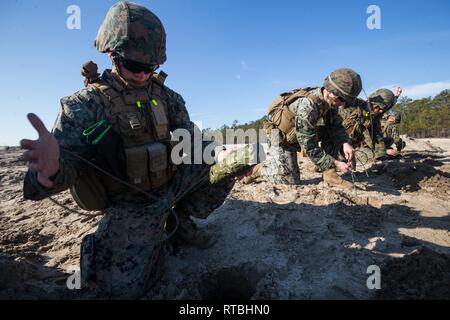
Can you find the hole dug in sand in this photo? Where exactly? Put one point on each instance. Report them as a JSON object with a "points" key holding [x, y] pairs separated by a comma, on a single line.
{"points": [[237, 283]]}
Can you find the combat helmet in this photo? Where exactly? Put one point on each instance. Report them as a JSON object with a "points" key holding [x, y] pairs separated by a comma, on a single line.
{"points": [[383, 98], [134, 33], [397, 116], [345, 83]]}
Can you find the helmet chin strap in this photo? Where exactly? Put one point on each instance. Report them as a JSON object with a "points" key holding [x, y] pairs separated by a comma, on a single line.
{"points": [[115, 64]]}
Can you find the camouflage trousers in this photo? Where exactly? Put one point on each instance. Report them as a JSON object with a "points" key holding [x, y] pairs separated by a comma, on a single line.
{"points": [[364, 157], [282, 165], [366, 149], [119, 259]]}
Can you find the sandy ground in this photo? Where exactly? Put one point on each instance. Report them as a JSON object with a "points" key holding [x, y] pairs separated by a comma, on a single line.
{"points": [[271, 241]]}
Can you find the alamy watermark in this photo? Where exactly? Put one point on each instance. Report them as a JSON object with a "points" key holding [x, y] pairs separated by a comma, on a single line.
{"points": [[73, 21], [74, 281], [197, 147], [374, 280], [374, 20]]}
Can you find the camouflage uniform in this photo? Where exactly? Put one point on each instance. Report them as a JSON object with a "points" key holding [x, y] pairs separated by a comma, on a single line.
{"points": [[385, 99], [109, 257], [236, 163], [391, 135], [119, 258], [364, 131], [282, 167]]}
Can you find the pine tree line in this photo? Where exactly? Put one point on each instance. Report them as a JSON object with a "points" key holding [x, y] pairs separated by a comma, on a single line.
{"points": [[422, 118]]}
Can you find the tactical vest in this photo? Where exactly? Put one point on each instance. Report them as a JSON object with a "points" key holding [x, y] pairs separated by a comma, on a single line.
{"points": [[281, 118], [355, 121], [384, 128], [140, 117]]}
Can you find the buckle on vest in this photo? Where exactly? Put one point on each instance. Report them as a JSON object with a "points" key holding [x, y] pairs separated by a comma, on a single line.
{"points": [[134, 122]]}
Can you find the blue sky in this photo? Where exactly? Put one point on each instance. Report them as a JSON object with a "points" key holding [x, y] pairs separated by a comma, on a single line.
{"points": [[229, 59]]}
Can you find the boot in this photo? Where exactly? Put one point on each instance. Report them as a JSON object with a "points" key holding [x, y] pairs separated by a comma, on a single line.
{"points": [[252, 174], [187, 233], [332, 179]]}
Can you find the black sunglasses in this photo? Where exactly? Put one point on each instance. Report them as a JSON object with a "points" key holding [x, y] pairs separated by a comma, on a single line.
{"points": [[137, 67], [341, 99]]}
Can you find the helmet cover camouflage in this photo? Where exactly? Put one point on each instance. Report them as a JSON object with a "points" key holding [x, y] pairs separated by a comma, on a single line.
{"points": [[384, 98], [134, 33], [344, 83]]}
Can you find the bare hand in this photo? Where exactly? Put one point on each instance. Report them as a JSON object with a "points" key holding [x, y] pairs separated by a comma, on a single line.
{"points": [[391, 152], [42, 154], [342, 166], [348, 152], [398, 92]]}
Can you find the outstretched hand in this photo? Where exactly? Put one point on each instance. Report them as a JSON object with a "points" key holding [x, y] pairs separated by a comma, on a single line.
{"points": [[392, 152], [42, 154]]}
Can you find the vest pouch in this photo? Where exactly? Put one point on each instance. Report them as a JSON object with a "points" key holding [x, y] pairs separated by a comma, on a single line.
{"points": [[291, 137], [158, 164], [287, 119], [132, 126], [89, 192], [160, 121], [137, 166]]}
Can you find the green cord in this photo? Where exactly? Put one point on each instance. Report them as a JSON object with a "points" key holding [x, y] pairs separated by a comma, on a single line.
{"points": [[101, 135], [92, 129]]}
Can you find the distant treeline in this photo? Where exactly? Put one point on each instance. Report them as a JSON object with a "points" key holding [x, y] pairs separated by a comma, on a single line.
{"points": [[427, 117], [423, 118], [256, 125]]}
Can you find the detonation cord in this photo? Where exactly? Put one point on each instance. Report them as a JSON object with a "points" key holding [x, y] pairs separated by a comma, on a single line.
{"points": [[151, 196], [352, 173], [353, 181]]}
